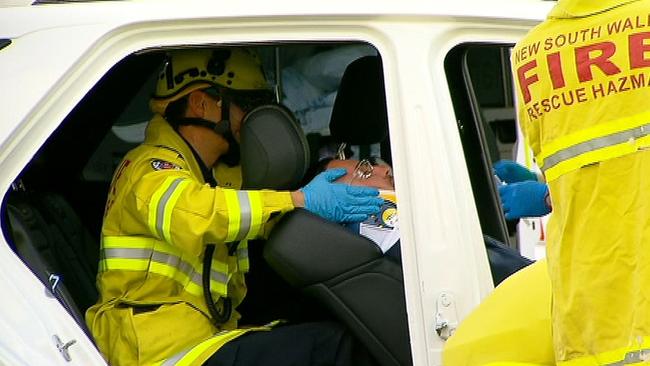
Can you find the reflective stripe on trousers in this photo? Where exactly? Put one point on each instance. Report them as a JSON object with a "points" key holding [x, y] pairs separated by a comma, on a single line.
{"points": [[595, 144], [195, 356]]}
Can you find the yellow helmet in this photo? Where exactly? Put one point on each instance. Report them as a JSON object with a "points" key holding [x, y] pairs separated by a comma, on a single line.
{"points": [[235, 69]]}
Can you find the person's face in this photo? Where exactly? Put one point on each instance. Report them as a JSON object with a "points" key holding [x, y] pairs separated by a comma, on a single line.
{"points": [[380, 176], [236, 117], [213, 113]]}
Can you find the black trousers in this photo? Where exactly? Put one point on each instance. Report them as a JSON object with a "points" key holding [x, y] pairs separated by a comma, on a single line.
{"points": [[307, 344], [504, 261]]}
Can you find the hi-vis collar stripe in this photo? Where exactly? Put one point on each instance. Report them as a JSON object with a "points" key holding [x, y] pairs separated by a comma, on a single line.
{"points": [[162, 204], [244, 214]]}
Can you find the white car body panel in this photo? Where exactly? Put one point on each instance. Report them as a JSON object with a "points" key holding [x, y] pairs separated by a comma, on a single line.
{"points": [[60, 51]]}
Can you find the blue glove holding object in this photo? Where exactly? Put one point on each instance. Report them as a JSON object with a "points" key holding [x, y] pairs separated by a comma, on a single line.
{"points": [[524, 199], [511, 172], [340, 202]]}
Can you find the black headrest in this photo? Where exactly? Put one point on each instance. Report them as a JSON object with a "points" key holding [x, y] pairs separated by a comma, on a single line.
{"points": [[274, 150], [359, 114]]}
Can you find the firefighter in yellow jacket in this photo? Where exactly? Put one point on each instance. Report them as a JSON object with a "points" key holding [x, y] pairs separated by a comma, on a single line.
{"points": [[176, 225], [583, 79]]}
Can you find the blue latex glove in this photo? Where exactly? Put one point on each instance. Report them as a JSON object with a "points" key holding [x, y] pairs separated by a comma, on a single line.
{"points": [[511, 172], [524, 199], [340, 202]]}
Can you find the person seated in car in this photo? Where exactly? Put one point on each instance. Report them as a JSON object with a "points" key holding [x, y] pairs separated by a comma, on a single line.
{"points": [[383, 229], [514, 316], [174, 248]]}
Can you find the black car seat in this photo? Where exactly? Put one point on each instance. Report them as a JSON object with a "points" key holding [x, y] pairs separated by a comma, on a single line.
{"points": [[359, 118], [346, 273], [274, 155], [274, 150], [48, 236]]}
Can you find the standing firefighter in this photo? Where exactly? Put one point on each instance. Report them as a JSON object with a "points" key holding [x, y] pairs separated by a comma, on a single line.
{"points": [[174, 250], [583, 79]]}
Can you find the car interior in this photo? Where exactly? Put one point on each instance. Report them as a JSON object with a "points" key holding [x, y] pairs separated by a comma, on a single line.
{"points": [[481, 90], [332, 96], [346, 273]]}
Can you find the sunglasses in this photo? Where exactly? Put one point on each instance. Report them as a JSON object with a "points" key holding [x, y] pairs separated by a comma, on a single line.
{"points": [[363, 170], [247, 100]]}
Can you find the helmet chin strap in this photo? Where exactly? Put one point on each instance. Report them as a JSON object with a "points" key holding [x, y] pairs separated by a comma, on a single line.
{"points": [[231, 157], [220, 128]]}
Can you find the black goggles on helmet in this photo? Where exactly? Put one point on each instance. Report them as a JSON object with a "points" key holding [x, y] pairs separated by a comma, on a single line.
{"points": [[247, 100]]}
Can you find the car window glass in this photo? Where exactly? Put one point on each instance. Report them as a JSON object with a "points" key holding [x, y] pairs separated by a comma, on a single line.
{"points": [[481, 88]]}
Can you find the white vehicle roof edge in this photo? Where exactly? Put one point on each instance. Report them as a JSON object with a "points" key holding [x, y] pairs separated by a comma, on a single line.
{"points": [[57, 64], [122, 12], [15, 3]]}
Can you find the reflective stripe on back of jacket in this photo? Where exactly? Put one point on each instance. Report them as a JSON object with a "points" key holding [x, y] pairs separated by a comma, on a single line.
{"points": [[159, 216], [583, 79]]}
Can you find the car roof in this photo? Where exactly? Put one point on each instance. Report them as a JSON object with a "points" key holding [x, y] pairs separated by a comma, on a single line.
{"points": [[13, 3], [48, 40], [122, 12]]}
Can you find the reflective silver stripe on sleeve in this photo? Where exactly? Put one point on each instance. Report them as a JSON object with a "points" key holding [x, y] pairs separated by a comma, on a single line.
{"points": [[595, 144], [244, 214], [160, 214]]}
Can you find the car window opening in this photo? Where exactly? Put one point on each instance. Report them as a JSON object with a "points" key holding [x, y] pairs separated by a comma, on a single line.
{"points": [[54, 225]]}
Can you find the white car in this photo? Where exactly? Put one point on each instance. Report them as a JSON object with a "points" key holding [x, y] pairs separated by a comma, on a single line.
{"points": [[75, 78]]}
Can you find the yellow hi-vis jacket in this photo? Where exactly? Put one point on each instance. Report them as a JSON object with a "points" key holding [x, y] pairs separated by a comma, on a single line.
{"points": [[511, 327], [160, 214], [583, 89]]}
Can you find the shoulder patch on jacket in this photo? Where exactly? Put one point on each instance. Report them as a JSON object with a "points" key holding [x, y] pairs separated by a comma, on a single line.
{"points": [[158, 164]]}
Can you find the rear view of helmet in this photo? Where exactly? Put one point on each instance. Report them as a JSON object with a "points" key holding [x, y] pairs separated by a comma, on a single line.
{"points": [[235, 73]]}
